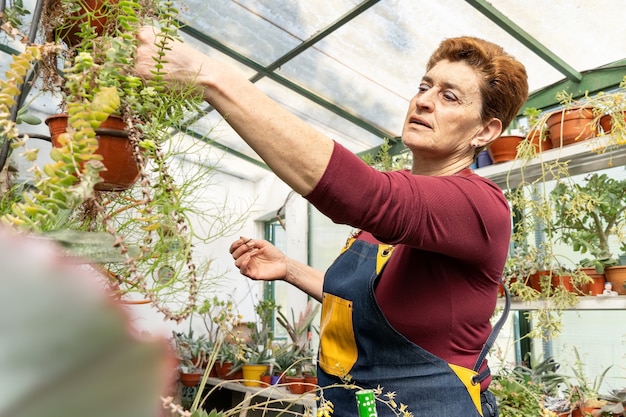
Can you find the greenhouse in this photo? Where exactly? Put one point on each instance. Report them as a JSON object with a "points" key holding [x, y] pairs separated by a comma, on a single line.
{"points": [[285, 207]]}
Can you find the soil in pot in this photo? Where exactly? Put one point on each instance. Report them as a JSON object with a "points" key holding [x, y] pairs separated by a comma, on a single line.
{"points": [[116, 150], [568, 126]]}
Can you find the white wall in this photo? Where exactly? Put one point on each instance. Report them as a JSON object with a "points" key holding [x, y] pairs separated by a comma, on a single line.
{"points": [[261, 201]]}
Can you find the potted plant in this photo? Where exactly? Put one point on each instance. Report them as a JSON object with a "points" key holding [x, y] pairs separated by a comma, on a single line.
{"points": [[192, 353], [537, 138], [612, 107], [571, 124], [150, 223], [504, 148], [589, 215], [616, 403]]}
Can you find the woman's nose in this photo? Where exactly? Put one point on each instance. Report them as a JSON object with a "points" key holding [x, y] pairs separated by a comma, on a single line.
{"points": [[424, 100]]}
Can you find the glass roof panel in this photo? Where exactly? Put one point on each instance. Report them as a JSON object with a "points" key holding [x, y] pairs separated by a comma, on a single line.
{"points": [[355, 82]]}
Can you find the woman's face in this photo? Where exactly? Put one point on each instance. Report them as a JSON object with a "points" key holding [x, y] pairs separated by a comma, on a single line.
{"points": [[444, 116]]}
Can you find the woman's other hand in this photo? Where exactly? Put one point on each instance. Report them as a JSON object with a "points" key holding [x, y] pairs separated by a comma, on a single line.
{"points": [[259, 259]]}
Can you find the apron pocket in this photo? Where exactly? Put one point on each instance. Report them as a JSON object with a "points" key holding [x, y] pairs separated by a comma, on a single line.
{"points": [[338, 351]]}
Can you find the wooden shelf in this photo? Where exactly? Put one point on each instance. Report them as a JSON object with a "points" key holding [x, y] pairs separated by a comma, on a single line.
{"points": [[582, 157], [275, 392], [599, 302]]}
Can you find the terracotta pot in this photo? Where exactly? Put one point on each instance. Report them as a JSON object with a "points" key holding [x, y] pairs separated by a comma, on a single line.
{"points": [[94, 11], [534, 136], [585, 412], [295, 384], [252, 374], [310, 383], [597, 286], [117, 153], [616, 275], [504, 148], [606, 122], [266, 380], [534, 281], [223, 369], [189, 380], [571, 125], [564, 281]]}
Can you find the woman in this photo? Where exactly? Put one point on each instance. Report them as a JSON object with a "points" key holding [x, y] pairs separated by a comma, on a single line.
{"points": [[407, 304]]}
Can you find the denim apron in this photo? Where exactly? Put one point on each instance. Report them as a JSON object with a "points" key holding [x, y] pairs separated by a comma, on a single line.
{"points": [[358, 346]]}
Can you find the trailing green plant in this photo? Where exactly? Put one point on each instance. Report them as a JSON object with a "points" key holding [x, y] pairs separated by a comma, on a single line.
{"points": [[537, 216], [151, 223]]}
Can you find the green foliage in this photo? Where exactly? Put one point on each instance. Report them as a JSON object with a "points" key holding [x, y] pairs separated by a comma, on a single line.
{"points": [[14, 13], [150, 224], [588, 214], [517, 397], [385, 160]]}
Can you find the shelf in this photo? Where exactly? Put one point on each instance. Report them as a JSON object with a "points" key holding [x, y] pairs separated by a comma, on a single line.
{"points": [[598, 302], [275, 392], [582, 158]]}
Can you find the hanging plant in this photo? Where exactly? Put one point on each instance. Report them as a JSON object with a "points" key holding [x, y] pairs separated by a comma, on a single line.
{"points": [[150, 223]]}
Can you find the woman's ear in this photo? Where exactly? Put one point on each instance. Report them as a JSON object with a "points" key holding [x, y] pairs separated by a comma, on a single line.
{"points": [[490, 132]]}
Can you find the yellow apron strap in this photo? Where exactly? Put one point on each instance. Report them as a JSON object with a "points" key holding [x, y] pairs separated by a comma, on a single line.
{"points": [[349, 243], [473, 389], [384, 252]]}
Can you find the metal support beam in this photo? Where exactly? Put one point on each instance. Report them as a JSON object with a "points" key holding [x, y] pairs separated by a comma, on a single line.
{"points": [[605, 78], [268, 71], [525, 38]]}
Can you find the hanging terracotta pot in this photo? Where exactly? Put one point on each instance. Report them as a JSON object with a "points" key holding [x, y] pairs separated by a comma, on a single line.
{"points": [[616, 275], [568, 126], [117, 153], [95, 12], [504, 148]]}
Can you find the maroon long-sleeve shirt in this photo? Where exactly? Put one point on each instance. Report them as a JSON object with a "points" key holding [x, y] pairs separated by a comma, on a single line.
{"points": [[451, 233]]}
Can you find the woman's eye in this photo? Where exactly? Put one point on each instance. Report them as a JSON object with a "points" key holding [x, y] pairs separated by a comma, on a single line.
{"points": [[449, 96]]}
